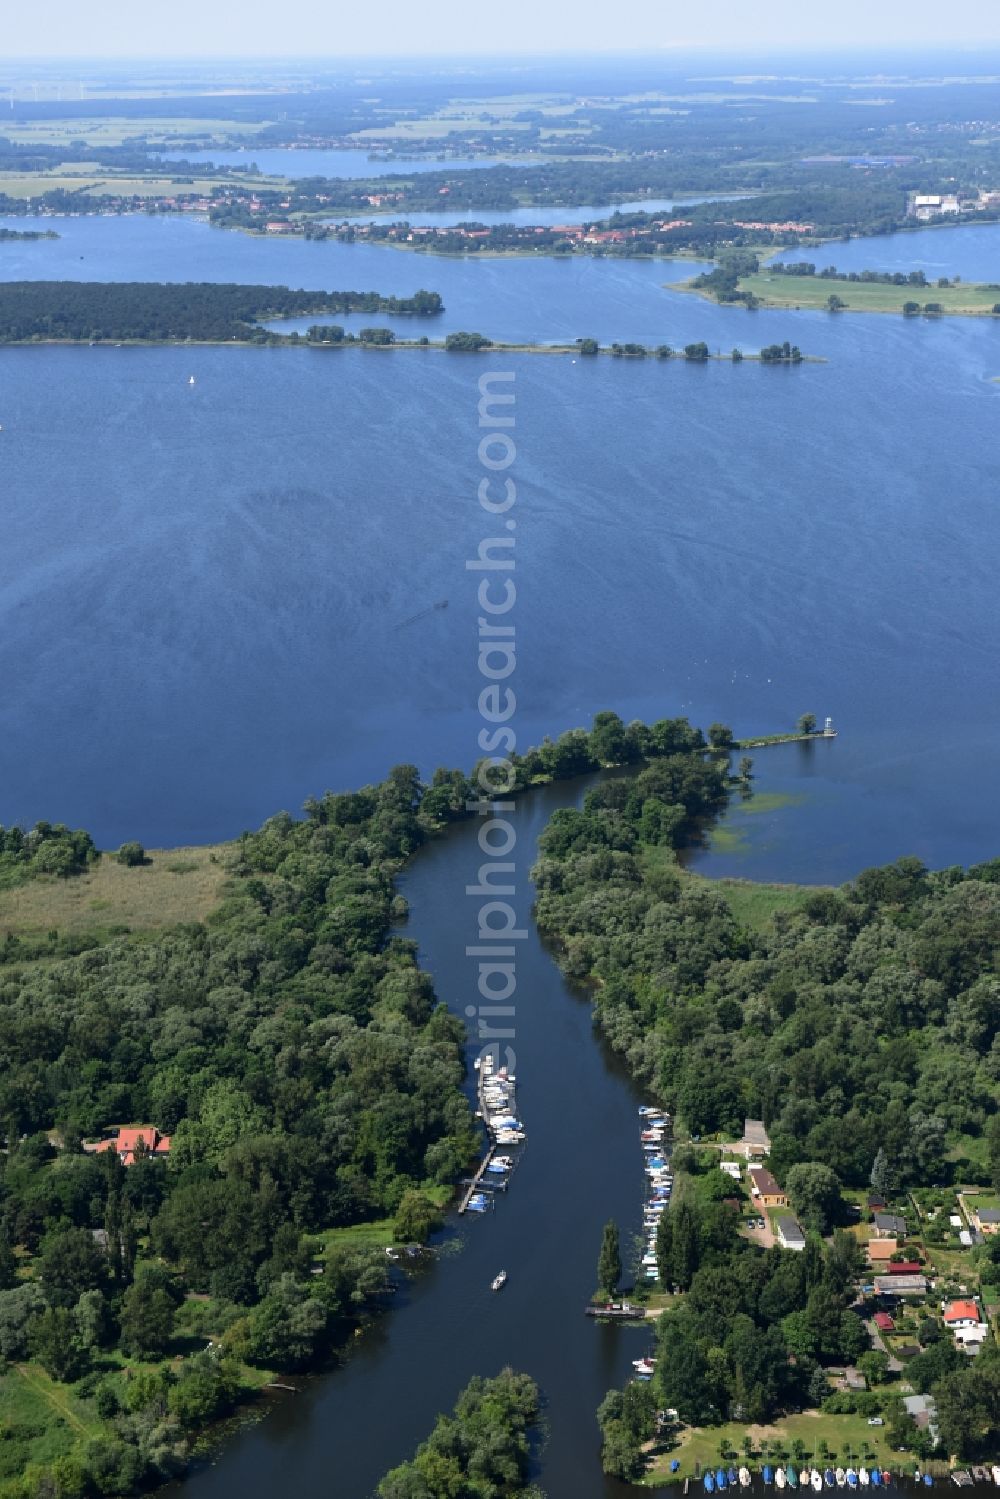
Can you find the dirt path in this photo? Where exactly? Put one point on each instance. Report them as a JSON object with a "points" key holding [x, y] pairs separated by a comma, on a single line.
{"points": [[49, 1393]]}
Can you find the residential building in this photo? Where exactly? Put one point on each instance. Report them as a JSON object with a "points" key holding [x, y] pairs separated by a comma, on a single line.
{"points": [[731, 1168], [987, 1220], [884, 1322], [756, 1140], [901, 1285], [765, 1189], [881, 1251], [890, 1226], [923, 1412], [964, 1313], [789, 1231], [134, 1143]]}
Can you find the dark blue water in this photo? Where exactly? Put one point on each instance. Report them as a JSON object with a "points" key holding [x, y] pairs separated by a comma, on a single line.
{"points": [[208, 598], [204, 590]]}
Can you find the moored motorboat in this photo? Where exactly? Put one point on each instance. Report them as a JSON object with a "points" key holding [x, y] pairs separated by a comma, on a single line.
{"points": [[876, 1477], [779, 1477], [995, 1470], [816, 1479], [745, 1477], [709, 1483], [841, 1478], [767, 1473], [928, 1480], [864, 1477], [720, 1478], [828, 1477], [886, 1477], [852, 1479], [732, 1478], [790, 1475]]}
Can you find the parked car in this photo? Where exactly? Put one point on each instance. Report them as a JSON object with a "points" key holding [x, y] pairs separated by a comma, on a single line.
{"points": [[875, 1421]]}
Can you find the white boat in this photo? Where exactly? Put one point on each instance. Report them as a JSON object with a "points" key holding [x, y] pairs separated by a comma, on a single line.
{"points": [[499, 1281], [745, 1477], [864, 1477], [191, 381], [841, 1478], [995, 1470], [644, 1365], [779, 1477], [816, 1479]]}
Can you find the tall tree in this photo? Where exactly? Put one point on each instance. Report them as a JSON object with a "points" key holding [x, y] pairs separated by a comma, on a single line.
{"points": [[609, 1262], [882, 1179]]}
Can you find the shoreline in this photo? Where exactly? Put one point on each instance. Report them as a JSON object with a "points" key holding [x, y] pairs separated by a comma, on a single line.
{"points": [[288, 341]]}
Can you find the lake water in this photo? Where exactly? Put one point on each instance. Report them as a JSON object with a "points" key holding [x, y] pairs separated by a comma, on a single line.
{"points": [[205, 590], [970, 251], [218, 599]]}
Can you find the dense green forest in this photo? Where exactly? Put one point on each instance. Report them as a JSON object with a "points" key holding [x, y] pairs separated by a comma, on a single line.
{"points": [[865, 1019], [481, 1451], [296, 1058], [206, 311], [861, 1026]]}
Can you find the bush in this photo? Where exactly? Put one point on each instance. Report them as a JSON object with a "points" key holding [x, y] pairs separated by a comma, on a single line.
{"points": [[131, 855], [466, 342]]}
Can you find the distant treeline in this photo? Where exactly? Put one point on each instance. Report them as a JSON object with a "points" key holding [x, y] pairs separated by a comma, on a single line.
{"points": [[6, 234], [206, 311], [830, 273]]}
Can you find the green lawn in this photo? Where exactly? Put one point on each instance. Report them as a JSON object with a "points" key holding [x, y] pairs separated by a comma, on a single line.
{"points": [[847, 1436], [755, 904], [867, 296], [40, 1420], [113, 130]]}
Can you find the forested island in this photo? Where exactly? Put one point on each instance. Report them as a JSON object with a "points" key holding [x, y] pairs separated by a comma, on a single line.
{"points": [[119, 312], [481, 1451], [7, 235], [157, 312]]}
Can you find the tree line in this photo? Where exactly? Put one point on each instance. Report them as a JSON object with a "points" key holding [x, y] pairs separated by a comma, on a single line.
{"points": [[205, 311]]}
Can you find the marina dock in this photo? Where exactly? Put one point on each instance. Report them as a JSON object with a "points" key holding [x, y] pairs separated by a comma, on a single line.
{"points": [[497, 1108], [474, 1184]]}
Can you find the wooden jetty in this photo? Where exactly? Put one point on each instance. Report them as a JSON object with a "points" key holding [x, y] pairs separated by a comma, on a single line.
{"points": [[621, 1311], [475, 1184], [481, 1182]]}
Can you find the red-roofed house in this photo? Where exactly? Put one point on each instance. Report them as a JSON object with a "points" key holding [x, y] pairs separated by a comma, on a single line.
{"points": [[904, 1267], [961, 1314], [884, 1322], [130, 1142]]}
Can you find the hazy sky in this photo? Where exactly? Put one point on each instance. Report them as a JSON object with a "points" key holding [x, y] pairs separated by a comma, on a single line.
{"points": [[260, 28]]}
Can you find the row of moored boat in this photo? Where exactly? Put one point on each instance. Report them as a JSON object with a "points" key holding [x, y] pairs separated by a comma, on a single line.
{"points": [[789, 1478], [659, 1183], [497, 1107]]}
